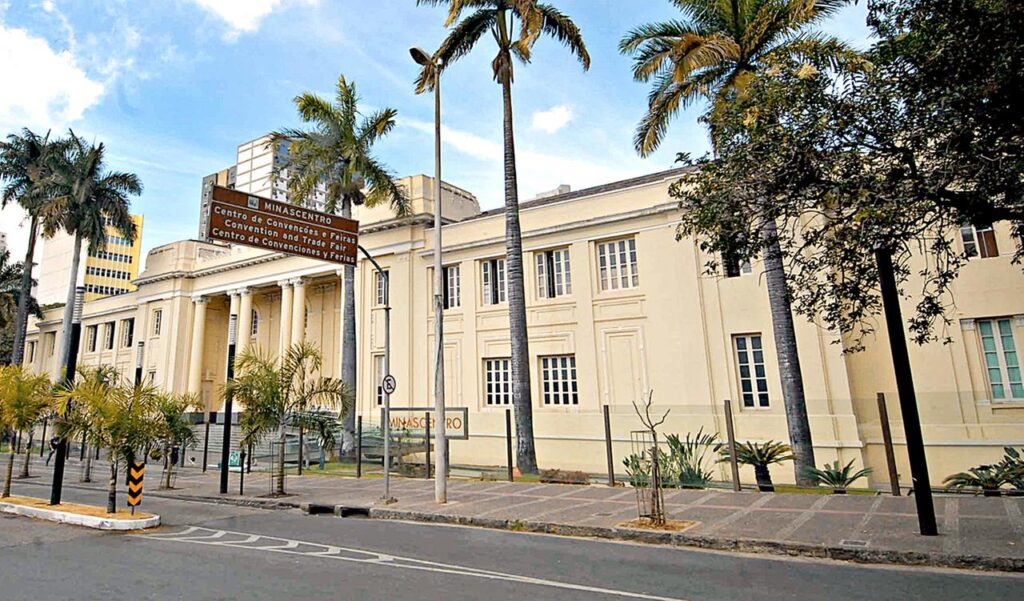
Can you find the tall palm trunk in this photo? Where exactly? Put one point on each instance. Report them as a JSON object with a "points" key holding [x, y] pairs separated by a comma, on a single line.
{"points": [[522, 399], [168, 466], [28, 454], [87, 475], [279, 484], [112, 486], [10, 472], [789, 359], [69, 308], [17, 353], [348, 339]]}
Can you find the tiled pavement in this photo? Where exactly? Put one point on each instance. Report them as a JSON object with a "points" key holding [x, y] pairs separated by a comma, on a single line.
{"points": [[991, 529]]}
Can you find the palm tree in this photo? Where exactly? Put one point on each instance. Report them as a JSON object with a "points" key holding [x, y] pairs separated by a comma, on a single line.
{"points": [[500, 18], [287, 393], [12, 277], [712, 54], [337, 153], [175, 429], [26, 163], [24, 398], [88, 197]]}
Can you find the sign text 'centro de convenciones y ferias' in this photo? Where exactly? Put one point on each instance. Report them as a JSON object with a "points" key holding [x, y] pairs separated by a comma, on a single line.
{"points": [[241, 218]]}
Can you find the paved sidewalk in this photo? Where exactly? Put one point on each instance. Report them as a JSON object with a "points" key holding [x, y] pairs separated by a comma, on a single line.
{"points": [[975, 532]]}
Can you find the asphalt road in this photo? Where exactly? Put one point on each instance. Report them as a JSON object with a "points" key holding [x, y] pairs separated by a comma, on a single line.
{"points": [[207, 552]]}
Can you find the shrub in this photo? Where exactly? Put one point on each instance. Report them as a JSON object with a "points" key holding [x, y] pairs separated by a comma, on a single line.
{"points": [[760, 455], [986, 477], [1013, 467], [687, 458], [838, 478]]}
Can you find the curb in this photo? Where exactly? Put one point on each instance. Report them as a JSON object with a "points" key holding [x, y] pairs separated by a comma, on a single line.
{"points": [[75, 519]]}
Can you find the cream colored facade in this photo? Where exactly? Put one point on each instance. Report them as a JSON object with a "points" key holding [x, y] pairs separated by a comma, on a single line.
{"points": [[626, 304]]}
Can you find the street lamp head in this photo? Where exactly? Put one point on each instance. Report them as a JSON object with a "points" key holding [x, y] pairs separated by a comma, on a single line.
{"points": [[420, 56]]}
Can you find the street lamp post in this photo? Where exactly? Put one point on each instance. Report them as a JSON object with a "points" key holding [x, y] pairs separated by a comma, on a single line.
{"points": [[138, 363], [386, 426], [441, 440], [225, 449], [70, 365]]}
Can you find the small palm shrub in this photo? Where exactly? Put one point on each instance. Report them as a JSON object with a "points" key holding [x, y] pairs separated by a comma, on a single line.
{"points": [[1013, 467], [839, 478], [687, 458], [989, 478], [760, 455]]}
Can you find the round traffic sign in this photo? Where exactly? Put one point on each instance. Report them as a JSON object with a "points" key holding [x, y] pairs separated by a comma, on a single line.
{"points": [[388, 384]]}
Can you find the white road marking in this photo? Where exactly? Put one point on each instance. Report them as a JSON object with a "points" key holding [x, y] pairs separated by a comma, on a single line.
{"points": [[213, 538]]}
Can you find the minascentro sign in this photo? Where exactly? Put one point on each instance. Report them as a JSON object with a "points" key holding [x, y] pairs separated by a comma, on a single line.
{"points": [[241, 218]]}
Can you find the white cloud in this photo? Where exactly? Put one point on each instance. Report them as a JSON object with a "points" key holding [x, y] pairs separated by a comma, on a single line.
{"points": [[42, 88], [244, 16], [553, 119]]}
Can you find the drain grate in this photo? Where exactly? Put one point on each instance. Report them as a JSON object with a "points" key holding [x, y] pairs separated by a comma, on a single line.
{"points": [[853, 543]]}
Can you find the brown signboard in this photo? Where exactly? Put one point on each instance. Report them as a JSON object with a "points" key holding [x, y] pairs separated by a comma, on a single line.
{"points": [[241, 218]]}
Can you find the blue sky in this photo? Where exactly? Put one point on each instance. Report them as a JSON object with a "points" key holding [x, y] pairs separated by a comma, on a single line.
{"points": [[173, 86]]}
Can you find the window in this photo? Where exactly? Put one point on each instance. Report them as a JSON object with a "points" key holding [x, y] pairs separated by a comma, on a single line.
{"points": [[734, 267], [90, 338], [979, 240], [108, 335], [558, 378], [32, 352], [255, 324], [494, 281], [158, 319], [127, 332], [49, 343], [1001, 360], [381, 286], [452, 286], [553, 276], [152, 376], [498, 381], [750, 364], [378, 370], [616, 261]]}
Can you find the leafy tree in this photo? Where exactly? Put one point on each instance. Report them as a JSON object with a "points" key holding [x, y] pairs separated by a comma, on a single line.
{"points": [[337, 152], [714, 53], [12, 277], [116, 415], [898, 152], [24, 398], [500, 18], [287, 393], [26, 166], [86, 197]]}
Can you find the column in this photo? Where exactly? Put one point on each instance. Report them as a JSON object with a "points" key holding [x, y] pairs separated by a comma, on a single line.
{"points": [[244, 319], [299, 311], [285, 330], [195, 357]]}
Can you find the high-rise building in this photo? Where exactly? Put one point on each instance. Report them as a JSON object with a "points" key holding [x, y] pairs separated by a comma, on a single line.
{"points": [[103, 273], [253, 172]]}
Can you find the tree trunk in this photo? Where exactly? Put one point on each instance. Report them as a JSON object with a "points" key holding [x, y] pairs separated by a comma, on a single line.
{"points": [[28, 455], [112, 488], [279, 484], [522, 399], [168, 466], [18, 351], [9, 473], [69, 308], [764, 478], [786, 350], [87, 475], [348, 341]]}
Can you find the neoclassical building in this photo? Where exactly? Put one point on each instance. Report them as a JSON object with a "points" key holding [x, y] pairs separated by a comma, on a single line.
{"points": [[616, 307]]}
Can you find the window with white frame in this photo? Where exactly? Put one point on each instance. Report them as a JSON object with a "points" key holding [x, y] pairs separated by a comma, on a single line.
{"points": [[750, 367], [158, 321], [554, 278], [49, 343], [1001, 360], [378, 370], [979, 241], [498, 381], [493, 271], [558, 380], [616, 264], [108, 335], [32, 352], [91, 335], [127, 332], [380, 285], [451, 286]]}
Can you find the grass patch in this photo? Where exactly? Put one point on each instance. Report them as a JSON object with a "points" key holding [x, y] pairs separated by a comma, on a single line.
{"points": [[822, 490], [89, 510]]}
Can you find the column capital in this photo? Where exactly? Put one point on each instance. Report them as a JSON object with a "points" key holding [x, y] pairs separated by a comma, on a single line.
{"points": [[298, 281], [284, 283], [340, 272], [245, 291], [200, 299]]}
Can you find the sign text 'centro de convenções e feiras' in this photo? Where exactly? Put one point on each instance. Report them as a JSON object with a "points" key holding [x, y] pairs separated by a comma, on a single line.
{"points": [[241, 218]]}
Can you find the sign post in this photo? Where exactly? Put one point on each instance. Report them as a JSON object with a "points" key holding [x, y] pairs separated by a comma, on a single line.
{"points": [[136, 474]]}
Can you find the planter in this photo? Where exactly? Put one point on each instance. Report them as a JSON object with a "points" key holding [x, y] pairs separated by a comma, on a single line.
{"points": [[839, 491], [991, 492], [764, 479]]}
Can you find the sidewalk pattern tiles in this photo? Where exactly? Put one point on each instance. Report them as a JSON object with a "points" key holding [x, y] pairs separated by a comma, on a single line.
{"points": [[196, 535]]}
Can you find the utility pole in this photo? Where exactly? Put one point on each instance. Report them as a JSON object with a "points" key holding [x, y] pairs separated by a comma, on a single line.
{"points": [[441, 472], [70, 365], [905, 390]]}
